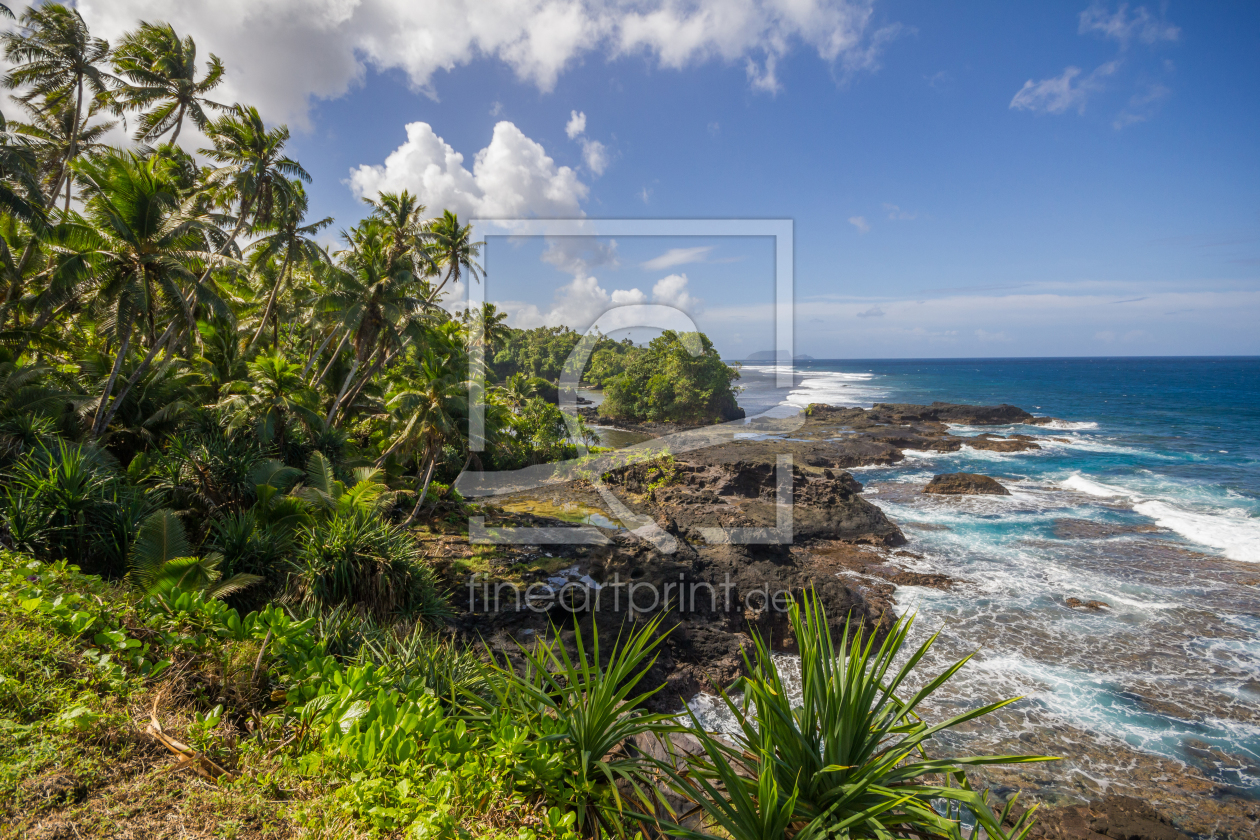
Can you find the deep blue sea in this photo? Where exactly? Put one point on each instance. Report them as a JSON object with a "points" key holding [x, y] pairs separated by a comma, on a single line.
{"points": [[1145, 495]]}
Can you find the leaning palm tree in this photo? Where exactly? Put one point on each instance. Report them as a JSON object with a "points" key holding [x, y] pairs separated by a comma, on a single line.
{"points": [[58, 63], [162, 71], [379, 302], [454, 252], [56, 135], [291, 241], [142, 241], [254, 174]]}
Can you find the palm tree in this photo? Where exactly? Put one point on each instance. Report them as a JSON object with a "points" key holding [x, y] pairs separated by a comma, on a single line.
{"points": [[403, 215], [378, 302], [487, 327], [454, 250], [255, 173], [142, 240], [272, 398], [20, 195], [292, 239], [58, 61], [429, 415], [162, 70], [56, 136]]}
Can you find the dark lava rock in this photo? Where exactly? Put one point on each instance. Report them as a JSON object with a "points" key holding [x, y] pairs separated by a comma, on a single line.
{"points": [[1077, 603], [997, 443], [965, 484], [707, 491], [1110, 818]]}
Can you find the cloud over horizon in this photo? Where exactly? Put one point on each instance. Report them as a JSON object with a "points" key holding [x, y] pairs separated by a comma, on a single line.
{"points": [[284, 53]]}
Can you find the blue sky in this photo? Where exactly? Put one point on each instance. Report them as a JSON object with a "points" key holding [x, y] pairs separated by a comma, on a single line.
{"points": [[990, 180]]}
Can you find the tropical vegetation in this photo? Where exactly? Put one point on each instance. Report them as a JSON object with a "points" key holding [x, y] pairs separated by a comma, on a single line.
{"points": [[220, 442]]}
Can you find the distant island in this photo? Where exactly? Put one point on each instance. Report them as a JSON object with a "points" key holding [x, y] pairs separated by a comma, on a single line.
{"points": [[771, 355]]}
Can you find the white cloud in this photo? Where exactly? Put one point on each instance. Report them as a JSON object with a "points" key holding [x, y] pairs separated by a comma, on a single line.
{"points": [[860, 223], [1063, 92], [579, 254], [595, 154], [576, 124], [1142, 106], [897, 214], [873, 312], [672, 291], [581, 301], [677, 256], [1119, 26], [645, 195], [512, 177], [282, 53]]}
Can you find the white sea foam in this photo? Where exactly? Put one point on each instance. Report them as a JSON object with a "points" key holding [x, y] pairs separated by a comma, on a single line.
{"points": [[1234, 533], [1081, 484], [1229, 530], [1068, 425]]}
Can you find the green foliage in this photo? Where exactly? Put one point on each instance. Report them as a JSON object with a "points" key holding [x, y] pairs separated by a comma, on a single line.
{"points": [[162, 563], [355, 558], [539, 352], [676, 379], [587, 711], [851, 759]]}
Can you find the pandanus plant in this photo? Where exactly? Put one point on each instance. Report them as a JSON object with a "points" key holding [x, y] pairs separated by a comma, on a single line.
{"points": [[852, 759]]}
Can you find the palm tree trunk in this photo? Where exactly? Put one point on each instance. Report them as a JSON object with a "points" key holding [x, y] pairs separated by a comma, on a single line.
{"points": [[363, 380], [345, 386], [428, 476], [271, 302], [310, 362], [179, 123], [139, 371], [74, 141], [109, 385], [170, 328]]}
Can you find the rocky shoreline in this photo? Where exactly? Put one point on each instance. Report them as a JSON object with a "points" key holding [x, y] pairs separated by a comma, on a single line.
{"points": [[841, 544]]}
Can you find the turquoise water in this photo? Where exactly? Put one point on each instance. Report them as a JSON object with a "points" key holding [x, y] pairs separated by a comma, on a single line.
{"points": [[1145, 496]]}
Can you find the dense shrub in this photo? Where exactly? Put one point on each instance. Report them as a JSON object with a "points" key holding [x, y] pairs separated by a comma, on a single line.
{"points": [[357, 559], [676, 379]]}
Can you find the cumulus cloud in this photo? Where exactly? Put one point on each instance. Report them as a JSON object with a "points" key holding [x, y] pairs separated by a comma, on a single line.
{"points": [[579, 254], [512, 177], [1063, 92], [594, 153], [1120, 26], [581, 301], [860, 223], [677, 256], [672, 291], [282, 53]]}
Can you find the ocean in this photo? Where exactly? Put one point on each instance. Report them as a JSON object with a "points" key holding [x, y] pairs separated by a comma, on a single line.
{"points": [[1145, 495]]}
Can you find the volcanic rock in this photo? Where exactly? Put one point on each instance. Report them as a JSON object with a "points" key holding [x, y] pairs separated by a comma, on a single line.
{"points": [[1110, 818], [965, 484]]}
